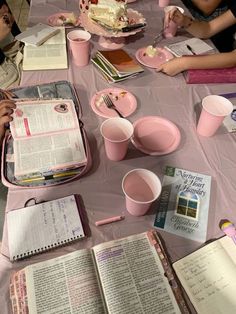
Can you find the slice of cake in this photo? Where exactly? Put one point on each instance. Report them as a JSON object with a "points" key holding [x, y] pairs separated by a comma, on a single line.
{"points": [[110, 13]]}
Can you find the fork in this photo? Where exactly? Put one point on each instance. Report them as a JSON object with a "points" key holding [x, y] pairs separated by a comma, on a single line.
{"points": [[108, 102], [158, 36]]}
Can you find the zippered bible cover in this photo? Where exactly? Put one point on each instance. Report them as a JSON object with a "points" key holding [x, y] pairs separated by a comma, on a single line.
{"points": [[59, 89]]}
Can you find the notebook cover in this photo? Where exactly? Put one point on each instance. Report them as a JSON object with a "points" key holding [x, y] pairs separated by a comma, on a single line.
{"points": [[225, 75]]}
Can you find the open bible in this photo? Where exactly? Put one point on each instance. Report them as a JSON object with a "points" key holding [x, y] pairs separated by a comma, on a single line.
{"points": [[47, 139], [129, 275]]}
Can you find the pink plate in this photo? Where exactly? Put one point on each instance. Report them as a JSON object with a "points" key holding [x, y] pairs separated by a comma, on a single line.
{"points": [[124, 101], [53, 19], [161, 57], [155, 136]]}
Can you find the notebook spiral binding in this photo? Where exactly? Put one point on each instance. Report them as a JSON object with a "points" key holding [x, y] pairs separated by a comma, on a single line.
{"points": [[46, 248]]}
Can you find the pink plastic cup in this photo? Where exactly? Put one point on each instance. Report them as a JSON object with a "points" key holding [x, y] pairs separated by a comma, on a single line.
{"points": [[214, 109], [171, 30], [141, 188], [163, 3], [116, 133], [80, 46]]}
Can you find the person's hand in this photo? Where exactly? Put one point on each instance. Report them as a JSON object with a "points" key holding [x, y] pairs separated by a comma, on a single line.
{"points": [[176, 16], [173, 67], [6, 109]]}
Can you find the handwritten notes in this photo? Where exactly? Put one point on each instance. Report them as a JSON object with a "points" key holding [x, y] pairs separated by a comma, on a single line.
{"points": [[37, 228], [209, 277]]}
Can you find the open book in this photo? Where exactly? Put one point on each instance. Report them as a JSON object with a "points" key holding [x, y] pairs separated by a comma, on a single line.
{"points": [[47, 138], [41, 227], [120, 277], [37, 34], [51, 55]]}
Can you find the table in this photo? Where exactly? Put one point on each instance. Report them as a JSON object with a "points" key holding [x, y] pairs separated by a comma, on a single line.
{"points": [[157, 94]]}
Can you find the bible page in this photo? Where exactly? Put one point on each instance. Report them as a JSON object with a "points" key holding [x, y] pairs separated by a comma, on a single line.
{"points": [[132, 277], [38, 117], [64, 285], [38, 155], [209, 277]]}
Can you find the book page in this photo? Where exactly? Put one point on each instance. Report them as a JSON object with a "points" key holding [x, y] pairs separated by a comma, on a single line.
{"points": [[37, 228], [208, 276], [50, 55], [132, 277], [66, 284], [40, 154], [37, 117], [37, 34]]}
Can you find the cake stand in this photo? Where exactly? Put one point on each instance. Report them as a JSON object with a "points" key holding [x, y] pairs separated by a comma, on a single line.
{"points": [[111, 39]]}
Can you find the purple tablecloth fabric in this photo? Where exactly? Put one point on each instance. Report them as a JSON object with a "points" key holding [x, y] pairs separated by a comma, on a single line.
{"points": [[157, 94]]}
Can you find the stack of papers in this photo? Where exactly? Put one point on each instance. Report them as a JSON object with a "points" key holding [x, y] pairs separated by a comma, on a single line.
{"points": [[193, 46], [116, 65]]}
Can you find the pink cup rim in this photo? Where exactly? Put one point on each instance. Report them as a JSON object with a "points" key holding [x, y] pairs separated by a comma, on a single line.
{"points": [[128, 123], [170, 7], [220, 99], [143, 170], [79, 33]]}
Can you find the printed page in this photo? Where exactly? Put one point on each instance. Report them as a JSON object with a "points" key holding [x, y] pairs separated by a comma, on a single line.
{"points": [[50, 55], [67, 284], [133, 278], [42, 117], [208, 276], [37, 228], [37, 34], [47, 153]]}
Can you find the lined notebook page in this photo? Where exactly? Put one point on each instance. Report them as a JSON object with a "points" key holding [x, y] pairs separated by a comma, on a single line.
{"points": [[35, 229], [209, 277]]}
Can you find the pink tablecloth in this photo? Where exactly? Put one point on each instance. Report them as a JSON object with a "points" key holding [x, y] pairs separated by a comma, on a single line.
{"points": [[157, 94]]}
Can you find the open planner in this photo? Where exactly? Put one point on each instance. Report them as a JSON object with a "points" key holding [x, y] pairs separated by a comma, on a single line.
{"points": [[38, 228]]}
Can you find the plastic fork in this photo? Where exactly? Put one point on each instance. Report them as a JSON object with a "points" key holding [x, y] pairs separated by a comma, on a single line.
{"points": [[158, 37], [108, 102]]}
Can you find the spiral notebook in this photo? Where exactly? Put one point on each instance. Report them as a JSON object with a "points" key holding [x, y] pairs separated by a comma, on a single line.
{"points": [[41, 227]]}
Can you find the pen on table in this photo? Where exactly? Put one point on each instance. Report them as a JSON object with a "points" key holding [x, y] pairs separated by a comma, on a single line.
{"points": [[191, 49], [109, 220]]}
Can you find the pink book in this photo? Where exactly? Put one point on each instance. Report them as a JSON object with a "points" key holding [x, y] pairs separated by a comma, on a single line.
{"points": [[225, 75]]}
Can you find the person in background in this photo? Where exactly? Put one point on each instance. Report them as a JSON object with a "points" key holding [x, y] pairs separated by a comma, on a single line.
{"points": [[207, 10], [201, 29], [10, 49]]}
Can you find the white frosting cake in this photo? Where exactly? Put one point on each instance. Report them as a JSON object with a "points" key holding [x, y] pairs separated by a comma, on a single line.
{"points": [[110, 13]]}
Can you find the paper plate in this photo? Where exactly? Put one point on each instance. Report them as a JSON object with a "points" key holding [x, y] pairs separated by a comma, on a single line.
{"points": [[155, 136], [124, 101], [53, 19], [161, 57]]}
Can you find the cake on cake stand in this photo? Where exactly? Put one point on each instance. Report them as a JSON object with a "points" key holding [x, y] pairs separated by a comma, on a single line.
{"points": [[111, 39]]}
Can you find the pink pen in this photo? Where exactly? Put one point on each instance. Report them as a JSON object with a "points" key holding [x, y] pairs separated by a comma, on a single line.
{"points": [[109, 220]]}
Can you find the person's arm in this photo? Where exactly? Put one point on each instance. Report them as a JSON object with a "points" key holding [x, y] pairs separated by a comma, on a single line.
{"points": [[202, 29], [6, 109], [207, 7], [219, 60]]}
